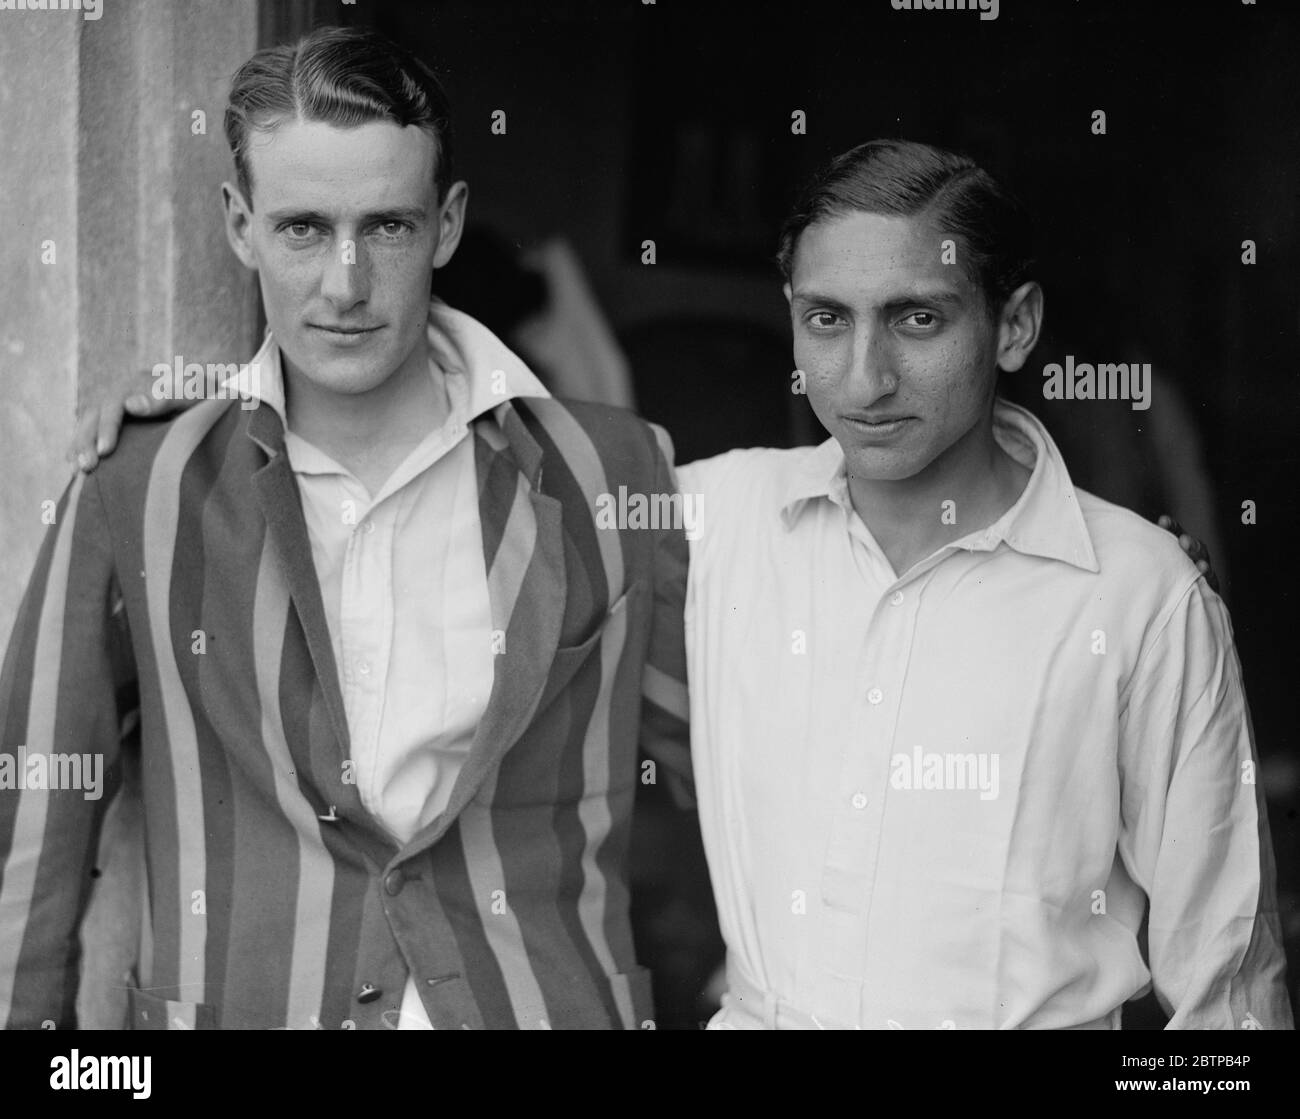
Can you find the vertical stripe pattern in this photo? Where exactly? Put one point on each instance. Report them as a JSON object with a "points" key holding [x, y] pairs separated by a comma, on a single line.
{"points": [[18, 886], [161, 514], [514, 911], [315, 868]]}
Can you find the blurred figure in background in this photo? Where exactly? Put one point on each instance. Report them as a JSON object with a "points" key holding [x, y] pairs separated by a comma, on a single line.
{"points": [[540, 304]]}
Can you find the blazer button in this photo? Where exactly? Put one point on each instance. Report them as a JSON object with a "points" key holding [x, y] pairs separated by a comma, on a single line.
{"points": [[394, 882], [368, 993]]}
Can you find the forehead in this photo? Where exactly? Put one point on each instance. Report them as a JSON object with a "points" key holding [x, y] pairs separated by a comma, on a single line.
{"points": [[324, 167], [859, 257]]}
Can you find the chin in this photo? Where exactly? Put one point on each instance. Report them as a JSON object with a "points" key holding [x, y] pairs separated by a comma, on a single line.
{"points": [[878, 465], [347, 374]]}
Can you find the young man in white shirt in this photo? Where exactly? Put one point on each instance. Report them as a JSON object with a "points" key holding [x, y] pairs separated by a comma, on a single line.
{"points": [[955, 723]]}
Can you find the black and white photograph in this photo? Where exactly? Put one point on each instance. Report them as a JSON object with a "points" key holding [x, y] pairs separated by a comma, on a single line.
{"points": [[647, 515]]}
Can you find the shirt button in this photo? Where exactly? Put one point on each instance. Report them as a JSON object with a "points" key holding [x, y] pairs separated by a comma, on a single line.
{"points": [[875, 695], [369, 527], [394, 882], [896, 599], [368, 993], [363, 667], [859, 801]]}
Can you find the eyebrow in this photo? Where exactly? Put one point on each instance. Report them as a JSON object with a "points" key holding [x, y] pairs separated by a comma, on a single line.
{"points": [[940, 297], [413, 214]]}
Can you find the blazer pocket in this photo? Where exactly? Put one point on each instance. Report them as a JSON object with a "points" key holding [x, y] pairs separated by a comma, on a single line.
{"points": [[149, 1012], [569, 658]]}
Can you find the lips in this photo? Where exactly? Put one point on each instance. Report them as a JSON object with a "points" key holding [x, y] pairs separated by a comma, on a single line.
{"points": [[335, 329], [875, 429], [875, 421]]}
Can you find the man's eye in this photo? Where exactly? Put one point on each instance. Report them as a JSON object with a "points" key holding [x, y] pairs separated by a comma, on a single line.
{"points": [[299, 230], [393, 228], [823, 320], [922, 319]]}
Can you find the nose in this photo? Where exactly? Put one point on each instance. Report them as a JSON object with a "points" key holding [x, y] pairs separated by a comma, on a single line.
{"points": [[873, 370], [346, 279]]}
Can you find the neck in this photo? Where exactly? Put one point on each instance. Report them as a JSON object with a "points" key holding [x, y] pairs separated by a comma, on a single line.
{"points": [[909, 518], [368, 432]]}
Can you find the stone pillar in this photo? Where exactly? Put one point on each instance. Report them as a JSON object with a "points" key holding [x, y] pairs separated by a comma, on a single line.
{"points": [[113, 259]]}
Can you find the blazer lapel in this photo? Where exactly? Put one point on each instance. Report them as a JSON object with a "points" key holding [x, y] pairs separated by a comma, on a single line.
{"points": [[277, 494], [523, 551]]}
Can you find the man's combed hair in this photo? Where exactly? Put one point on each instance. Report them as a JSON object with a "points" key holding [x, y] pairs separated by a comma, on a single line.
{"points": [[905, 179], [342, 76]]}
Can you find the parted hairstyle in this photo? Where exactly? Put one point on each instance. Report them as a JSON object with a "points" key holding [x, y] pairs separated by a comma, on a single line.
{"points": [[906, 179], [345, 76]]}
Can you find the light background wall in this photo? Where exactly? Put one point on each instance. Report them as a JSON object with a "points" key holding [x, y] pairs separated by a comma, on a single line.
{"points": [[102, 157]]}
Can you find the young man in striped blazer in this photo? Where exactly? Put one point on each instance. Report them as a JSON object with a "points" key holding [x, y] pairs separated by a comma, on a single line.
{"points": [[386, 674]]}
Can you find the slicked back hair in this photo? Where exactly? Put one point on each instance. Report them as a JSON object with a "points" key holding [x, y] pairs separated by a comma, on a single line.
{"points": [[905, 179], [343, 76]]}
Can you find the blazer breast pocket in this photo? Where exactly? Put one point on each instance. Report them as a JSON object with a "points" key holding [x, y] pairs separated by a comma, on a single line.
{"points": [[569, 659]]}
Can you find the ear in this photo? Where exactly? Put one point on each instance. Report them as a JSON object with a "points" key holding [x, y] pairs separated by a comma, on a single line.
{"points": [[788, 292], [1022, 319], [239, 224], [451, 222]]}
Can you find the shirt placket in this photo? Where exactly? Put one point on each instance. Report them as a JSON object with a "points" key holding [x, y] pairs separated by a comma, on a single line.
{"points": [[366, 622], [853, 850]]}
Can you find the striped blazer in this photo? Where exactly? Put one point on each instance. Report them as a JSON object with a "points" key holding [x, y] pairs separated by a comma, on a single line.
{"points": [[274, 899]]}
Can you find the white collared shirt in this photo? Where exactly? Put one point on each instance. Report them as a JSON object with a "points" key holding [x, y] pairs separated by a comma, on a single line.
{"points": [[404, 585], [941, 800]]}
